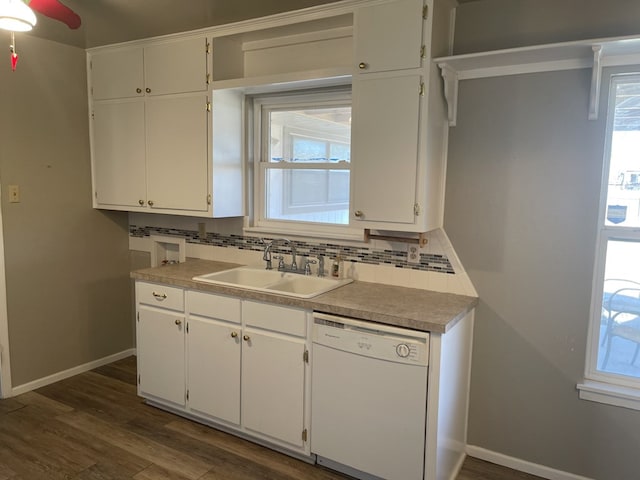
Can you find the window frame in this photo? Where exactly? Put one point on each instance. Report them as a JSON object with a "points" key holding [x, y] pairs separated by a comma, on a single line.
{"points": [[258, 108], [599, 386]]}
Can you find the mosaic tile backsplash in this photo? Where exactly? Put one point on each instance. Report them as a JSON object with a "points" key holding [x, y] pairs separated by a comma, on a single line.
{"points": [[428, 262]]}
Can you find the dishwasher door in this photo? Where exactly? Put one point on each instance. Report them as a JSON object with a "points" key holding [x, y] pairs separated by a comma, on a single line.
{"points": [[369, 394]]}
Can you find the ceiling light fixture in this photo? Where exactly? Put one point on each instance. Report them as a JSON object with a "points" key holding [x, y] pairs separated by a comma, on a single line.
{"points": [[15, 15]]}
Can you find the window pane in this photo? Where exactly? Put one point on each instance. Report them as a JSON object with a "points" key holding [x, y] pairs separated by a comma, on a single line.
{"points": [[623, 192], [619, 341], [309, 195], [310, 135], [307, 149]]}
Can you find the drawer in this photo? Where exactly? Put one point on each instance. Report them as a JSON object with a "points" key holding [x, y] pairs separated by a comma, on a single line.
{"points": [[161, 296], [213, 306], [292, 321]]}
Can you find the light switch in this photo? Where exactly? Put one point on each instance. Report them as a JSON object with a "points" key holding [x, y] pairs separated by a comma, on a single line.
{"points": [[14, 194]]}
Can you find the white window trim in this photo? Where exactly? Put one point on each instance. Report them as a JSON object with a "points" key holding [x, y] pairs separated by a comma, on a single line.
{"points": [[257, 223], [607, 388]]}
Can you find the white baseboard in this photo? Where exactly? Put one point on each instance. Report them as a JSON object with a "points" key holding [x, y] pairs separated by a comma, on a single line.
{"points": [[56, 377], [521, 465]]}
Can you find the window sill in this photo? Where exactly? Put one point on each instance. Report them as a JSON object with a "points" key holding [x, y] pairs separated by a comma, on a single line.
{"points": [[610, 394], [308, 231]]}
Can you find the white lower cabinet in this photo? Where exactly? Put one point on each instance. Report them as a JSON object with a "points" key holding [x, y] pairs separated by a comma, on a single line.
{"points": [[236, 363], [160, 343], [213, 363], [274, 370]]}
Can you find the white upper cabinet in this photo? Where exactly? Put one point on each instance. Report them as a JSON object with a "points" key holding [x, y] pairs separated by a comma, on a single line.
{"points": [[187, 61], [398, 123], [168, 117], [151, 135], [388, 36], [118, 146], [385, 148], [176, 144], [117, 74], [177, 66]]}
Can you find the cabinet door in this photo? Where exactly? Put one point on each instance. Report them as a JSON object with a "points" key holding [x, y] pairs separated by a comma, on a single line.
{"points": [[273, 376], [213, 363], [177, 146], [386, 110], [117, 74], [178, 66], [388, 36], [160, 350], [119, 153]]}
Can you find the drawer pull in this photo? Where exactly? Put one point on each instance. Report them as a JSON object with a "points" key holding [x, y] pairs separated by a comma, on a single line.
{"points": [[246, 338], [234, 334], [178, 322], [160, 296]]}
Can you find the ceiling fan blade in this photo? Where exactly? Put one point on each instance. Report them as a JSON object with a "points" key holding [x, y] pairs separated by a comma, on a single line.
{"points": [[56, 10]]}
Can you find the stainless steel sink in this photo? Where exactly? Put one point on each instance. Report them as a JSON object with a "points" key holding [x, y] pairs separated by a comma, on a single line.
{"points": [[273, 281]]}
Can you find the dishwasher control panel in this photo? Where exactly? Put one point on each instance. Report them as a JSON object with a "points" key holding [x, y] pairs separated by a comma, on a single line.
{"points": [[371, 339]]}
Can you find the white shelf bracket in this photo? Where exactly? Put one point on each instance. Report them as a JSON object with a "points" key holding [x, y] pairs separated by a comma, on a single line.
{"points": [[450, 77], [596, 79]]}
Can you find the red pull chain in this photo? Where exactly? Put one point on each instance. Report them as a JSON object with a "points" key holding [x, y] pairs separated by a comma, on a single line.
{"points": [[14, 54]]}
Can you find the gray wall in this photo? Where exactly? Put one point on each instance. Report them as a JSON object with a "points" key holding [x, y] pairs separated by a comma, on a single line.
{"points": [[67, 265], [495, 24], [521, 206]]}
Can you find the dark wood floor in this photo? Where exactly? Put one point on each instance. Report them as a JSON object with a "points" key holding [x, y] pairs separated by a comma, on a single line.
{"points": [[93, 426]]}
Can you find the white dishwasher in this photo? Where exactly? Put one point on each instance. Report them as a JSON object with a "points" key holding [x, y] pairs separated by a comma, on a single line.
{"points": [[369, 398]]}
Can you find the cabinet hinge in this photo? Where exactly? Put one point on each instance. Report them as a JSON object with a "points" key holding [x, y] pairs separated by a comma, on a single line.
{"points": [[138, 379], [208, 106], [423, 51], [305, 356], [425, 12], [187, 327], [96, 194], [209, 199], [416, 209], [208, 47], [208, 78], [421, 89], [304, 435], [187, 394]]}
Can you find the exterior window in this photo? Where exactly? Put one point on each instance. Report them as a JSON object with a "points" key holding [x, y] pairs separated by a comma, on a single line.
{"points": [[303, 152], [613, 356]]}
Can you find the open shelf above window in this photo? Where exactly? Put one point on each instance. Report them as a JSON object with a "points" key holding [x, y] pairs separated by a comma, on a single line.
{"points": [[300, 52], [595, 54]]}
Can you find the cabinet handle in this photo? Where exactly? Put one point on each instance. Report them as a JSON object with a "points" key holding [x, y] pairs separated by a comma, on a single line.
{"points": [[178, 322], [246, 338], [138, 90], [358, 214], [150, 202], [363, 66], [141, 202], [148, 90], [234, 334], [159, 296]]}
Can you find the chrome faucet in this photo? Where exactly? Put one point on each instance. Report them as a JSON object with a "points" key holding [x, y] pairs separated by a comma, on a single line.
{"points": [[267, 253], [307, 266], [281, 264], [294, 265], [321, 265]]}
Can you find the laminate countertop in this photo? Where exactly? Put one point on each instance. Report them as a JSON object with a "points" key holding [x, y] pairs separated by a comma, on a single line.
{"points": [[412, 308]]}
